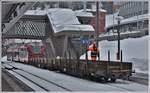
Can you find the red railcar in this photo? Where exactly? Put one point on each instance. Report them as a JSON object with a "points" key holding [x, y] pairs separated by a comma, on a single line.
{"points": [[27, 53]]}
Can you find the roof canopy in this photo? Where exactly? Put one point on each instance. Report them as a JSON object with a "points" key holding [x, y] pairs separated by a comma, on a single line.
{"points": [[62, 19]]}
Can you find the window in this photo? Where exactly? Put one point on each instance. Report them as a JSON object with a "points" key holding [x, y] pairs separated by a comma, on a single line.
{"points": [[145, 11], [23, 53], [36, 49], [140, 12]]}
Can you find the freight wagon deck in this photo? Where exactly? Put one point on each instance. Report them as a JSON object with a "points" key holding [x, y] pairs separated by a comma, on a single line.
{"points": [[101, 69]]}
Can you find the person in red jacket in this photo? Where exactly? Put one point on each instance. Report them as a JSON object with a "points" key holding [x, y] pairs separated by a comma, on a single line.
{"points": [[94, 52]]}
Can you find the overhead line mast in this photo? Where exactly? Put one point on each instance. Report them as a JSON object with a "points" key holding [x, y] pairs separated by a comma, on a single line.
{"points": [[97, 23]]}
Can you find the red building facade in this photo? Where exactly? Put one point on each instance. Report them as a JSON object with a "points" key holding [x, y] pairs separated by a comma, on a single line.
{"points": [[102, 18]]}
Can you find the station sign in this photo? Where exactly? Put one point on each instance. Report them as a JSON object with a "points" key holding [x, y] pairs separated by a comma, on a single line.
{"points": [[85, 41]]}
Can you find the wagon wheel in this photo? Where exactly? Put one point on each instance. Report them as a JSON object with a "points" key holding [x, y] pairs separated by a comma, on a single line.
{"points": [[106, 79], [113, 79]]}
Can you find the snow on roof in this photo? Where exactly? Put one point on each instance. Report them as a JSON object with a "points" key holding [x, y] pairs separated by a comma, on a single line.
{"points": [[35, 12], [65, 19], [109, 19], [83, 13], [139, 17], [77, 28], [62, 19], [102, 10], [26, 40], [63, 16], [94, 10]]}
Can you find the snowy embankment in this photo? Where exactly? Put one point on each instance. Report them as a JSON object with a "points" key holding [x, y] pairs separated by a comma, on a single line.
{"points": [[134, 50]]}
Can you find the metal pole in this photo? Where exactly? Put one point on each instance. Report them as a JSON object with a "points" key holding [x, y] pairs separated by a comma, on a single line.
{"points": [[137, 17], [86, 54], [142, 14], [69, 59], [108, 55], [121, 56], [113, 21], [97, 22], [137, 22], [118, 40], [86, 67]]}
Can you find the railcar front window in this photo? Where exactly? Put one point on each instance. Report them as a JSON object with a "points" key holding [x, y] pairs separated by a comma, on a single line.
{"points": [[23, 53], [36, 49]]}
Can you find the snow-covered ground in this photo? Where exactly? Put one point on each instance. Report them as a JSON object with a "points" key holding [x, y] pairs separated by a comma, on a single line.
{"points": [[134, 50], [73, 83]]}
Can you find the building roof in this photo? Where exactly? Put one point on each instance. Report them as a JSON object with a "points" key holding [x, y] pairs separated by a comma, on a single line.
{"points": [[94, 10], [62, 19], [82, 13], [109, 19]]}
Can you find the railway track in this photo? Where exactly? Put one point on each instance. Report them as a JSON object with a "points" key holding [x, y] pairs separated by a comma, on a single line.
{"points": [[29, 76], [120, 87], [25, 74], [9, 81]]}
